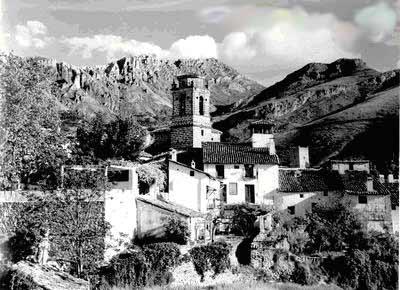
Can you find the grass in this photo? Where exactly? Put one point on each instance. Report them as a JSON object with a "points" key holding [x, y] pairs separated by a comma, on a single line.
{"points": [[242, 286]]}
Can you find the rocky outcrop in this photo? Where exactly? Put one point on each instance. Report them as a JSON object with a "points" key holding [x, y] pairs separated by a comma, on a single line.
{"points": [[140, 85], [27, 275]]}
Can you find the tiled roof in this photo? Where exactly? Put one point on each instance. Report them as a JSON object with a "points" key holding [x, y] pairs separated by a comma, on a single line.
{"points": [[191, 168], [169, 206], [353, 182], [225, 153], [262, 122], [291, 180]]}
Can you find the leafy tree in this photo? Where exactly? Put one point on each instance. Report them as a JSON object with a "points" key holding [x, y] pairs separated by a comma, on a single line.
{"points": [[115, 139], [332, 227], [244, 218], [74, 217], [30, 138], [150, 174]]}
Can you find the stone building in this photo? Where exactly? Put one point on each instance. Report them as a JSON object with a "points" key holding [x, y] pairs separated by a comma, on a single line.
{"points": [[191, 124]]}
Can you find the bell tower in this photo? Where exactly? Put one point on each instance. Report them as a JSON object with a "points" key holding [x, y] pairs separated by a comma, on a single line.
{"points": [[191, 124]]}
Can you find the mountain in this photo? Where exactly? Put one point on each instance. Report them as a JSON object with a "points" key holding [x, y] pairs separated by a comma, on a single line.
{"points": [[343, 109], [140, 86]]}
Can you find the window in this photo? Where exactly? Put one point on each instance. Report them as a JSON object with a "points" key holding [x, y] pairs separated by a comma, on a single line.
{"points": [[236, 166], [191, 173], [182, 105], [249, 170], [118, 175], [249, 193], [301, 195], [291, 210], [223, 193], [362, 199], [233, 188], [202, 132], [325, 193], [393, 207], [220, 171], [351, 166], [201, 106]]}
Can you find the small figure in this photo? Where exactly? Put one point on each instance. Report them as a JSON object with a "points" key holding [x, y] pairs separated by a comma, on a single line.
{"points": [[43, 249]]}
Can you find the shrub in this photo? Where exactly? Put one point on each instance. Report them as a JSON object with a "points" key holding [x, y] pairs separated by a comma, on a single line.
{"points": [[214, 256], [305, 274], [161, 257], [176, 231], [126, 270]]}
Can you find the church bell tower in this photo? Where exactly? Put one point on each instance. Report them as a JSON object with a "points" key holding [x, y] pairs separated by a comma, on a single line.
{"points": [[191, 124]]}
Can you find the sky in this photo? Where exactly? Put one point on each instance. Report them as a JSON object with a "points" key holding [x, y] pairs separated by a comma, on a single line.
{"points": [[263, 39]]}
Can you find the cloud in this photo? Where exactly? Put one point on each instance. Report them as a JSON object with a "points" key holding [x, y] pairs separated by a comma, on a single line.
{"points": [[3, 35], [378, 21], [33, 34], [197, 46], [287, 38], [114, 46]]}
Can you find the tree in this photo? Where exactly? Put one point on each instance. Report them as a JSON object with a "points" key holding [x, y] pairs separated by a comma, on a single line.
{"points": [[332, 227], [74, 217], [30, 139], [244, 218], [116, 139]]}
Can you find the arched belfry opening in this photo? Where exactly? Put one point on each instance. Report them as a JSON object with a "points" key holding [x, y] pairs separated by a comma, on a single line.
{"points": [[182, 105], [201, 106]]}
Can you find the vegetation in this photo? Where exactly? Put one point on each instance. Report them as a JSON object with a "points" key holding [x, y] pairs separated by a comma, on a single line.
{"points": [[150, 174], [75, 221], [141, 267], [30, 140], [176, 231], [101, 139], [213, 256]]}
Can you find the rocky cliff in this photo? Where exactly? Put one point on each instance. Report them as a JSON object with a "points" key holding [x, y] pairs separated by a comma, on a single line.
{"points": [[312, 106], [141, 85]]}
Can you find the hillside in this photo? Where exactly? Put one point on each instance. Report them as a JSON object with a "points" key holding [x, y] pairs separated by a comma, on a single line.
{"points": [[342, 109], [141, 85]]}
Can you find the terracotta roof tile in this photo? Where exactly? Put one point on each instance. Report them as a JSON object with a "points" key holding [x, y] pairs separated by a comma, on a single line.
{"points": [[226, 153]]}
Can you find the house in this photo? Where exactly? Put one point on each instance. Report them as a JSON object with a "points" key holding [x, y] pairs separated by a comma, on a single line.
{"points": [[344, 165], [192, 187], [247, 174], [154, 213]]}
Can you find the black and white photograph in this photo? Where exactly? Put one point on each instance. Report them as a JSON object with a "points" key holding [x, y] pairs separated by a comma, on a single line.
{"points": [[199, 144]]}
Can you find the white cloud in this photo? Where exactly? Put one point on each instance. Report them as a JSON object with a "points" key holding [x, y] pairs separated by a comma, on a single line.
{"points": [[378, 21], [197, 46], [3, 35], [114, 46], [287, 38], [33, 34]]}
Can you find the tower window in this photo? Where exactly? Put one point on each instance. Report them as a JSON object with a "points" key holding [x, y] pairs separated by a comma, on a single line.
{"points": [[182, 105], [202, 132], [201, 105]]}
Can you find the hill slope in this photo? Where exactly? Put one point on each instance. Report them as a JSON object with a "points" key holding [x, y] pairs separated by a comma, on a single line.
{"points": [[333, 108]]}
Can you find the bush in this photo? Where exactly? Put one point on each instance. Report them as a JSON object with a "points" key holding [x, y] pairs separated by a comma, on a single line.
{"points": [[305, 274], [214, 256], [125, 270], [161, 257], [176, 231], [20, 246], [139, 268]]}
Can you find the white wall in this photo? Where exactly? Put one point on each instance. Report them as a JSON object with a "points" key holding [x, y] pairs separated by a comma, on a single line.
{"points": [[186, 190], [395, 220], [265, 181], [120, 213], [343, 167]]}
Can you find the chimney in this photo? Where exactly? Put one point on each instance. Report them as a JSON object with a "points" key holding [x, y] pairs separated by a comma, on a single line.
{"points": [[390, 178], [193, 164], [382, 178], [369, 184], [299, 157], [173, 155]]}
